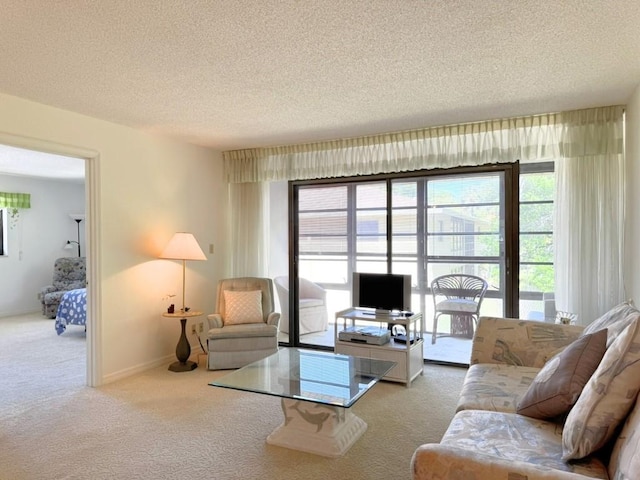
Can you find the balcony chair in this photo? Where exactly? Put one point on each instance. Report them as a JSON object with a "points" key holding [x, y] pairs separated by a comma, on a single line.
{"points": [[312, 305], [69, 273], [245, 327], [459, 296]]}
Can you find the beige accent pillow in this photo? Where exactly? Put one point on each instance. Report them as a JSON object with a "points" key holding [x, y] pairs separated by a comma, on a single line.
{"points": [[606, 398], [559, 383], [242, 306], [615, 321]]}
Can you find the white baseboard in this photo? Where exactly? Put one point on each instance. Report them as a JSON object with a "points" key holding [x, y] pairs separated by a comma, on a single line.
{"points": [[196, 351], [127, 372]]}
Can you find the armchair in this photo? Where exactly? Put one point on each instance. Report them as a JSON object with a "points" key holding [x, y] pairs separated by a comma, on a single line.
{"points": [[245, 327], [69, 273], [312, 305], [459, 296]]}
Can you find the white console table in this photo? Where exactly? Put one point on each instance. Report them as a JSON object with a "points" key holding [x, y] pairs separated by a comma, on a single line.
{"points": [[408, 356]]}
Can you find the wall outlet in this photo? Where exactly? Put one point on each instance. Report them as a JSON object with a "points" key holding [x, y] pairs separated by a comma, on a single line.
{"points": [[201, 327], [193, 329]]}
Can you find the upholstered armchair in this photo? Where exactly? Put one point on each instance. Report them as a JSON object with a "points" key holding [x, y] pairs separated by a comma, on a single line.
{"points": [[312, 305], [69, 273], [245, 327]]}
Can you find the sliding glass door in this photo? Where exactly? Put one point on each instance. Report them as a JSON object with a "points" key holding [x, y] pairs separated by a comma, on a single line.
{"points": [[424, 224]]}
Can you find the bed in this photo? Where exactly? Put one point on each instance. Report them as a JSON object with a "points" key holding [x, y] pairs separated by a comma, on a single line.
{"points": [[72, 310]]}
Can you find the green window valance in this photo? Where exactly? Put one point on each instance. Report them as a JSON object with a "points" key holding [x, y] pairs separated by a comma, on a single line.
{"points": [[15, 200]]}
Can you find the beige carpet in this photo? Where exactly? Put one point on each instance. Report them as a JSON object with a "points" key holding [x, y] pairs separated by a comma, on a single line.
{"points": [[165, 425]]}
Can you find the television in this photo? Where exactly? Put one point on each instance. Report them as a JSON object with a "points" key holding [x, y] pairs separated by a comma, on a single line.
{"points": [[384, 292]]}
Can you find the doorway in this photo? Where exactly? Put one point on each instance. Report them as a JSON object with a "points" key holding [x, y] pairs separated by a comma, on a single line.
{"points": [[88, 160]]}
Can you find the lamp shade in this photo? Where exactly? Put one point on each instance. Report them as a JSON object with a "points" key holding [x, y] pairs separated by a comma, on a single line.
{"points": [[183, 246]]}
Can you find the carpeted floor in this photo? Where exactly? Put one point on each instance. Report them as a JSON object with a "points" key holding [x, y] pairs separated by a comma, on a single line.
{"points": [[164, 425]]}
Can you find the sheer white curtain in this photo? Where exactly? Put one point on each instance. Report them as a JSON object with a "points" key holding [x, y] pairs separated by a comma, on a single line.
{"points": [[589, 217], [248, 221], [586, 144]]}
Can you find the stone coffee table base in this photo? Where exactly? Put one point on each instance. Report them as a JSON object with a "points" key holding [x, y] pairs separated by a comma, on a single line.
{"points": [[325, 430]]}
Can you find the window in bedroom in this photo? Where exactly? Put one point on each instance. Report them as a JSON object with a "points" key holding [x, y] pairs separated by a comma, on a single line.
{"points": [[3, 232]]}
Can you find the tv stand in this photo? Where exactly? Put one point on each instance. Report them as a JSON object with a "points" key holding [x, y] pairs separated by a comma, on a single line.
{"points": [[407, 355]]}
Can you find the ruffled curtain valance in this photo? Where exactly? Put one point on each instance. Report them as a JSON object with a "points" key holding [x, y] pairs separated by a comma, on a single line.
{"points": [[527, 139], [15, 200]]}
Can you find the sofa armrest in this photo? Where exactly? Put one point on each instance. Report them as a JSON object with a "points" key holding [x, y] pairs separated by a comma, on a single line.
{"points": [[519, 342], [434, 461], [273, 319], [215, 321], [47, 289]]}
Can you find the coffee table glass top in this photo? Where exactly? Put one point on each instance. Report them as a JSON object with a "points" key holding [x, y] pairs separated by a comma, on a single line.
{"points": [[310, 375]]}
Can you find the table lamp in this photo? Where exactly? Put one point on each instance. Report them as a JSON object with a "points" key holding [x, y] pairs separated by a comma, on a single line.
{"points": [[183, 246]]}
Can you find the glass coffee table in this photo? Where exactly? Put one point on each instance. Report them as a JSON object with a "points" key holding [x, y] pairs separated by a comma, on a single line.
{"points": [[316, 390]]}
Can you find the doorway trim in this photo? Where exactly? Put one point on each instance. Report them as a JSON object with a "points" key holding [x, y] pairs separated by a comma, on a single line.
{"points": [[92, 207]]}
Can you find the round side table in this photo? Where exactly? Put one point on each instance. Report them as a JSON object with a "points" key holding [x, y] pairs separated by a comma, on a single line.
{"points": [[183, 349]]}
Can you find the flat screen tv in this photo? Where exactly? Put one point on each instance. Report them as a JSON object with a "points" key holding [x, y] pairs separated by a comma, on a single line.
{"points": [[384, 292]]}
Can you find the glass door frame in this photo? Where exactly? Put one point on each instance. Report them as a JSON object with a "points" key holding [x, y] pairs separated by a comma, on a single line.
{"points": [[509, 212]]}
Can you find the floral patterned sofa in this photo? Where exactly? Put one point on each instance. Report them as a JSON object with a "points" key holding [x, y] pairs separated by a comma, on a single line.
{"points": [[524, 413]]}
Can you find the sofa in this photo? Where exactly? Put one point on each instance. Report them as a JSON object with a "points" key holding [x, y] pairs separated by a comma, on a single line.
{"points": [[545, 401]]}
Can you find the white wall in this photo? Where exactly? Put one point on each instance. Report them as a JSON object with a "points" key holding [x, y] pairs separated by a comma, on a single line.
{"points": [[37, 238], [632, 220], [149, 187]]}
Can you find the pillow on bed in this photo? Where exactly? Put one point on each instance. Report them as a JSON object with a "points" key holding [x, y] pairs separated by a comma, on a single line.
{"points": [[242, 306]]}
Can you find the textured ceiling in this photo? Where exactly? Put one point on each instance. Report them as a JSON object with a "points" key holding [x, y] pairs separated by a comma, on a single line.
{"points": [[249, 73]]}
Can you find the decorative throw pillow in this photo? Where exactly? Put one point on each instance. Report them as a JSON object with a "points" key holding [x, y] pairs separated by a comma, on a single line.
{"points": [[615, 321], [606, 398], [242, 306], [559, 383]]}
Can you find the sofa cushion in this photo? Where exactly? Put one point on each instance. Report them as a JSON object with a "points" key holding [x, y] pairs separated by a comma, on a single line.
{"points": [[242, 307], [515, 438], [607, 397], [495, 387], [615, 321], [559, 383]]}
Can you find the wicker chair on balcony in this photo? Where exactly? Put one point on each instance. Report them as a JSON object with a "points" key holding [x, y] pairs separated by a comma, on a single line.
{"points": [[459, 296]]}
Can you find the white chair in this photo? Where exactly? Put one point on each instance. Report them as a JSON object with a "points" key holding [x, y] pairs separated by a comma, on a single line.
{"points": [[245, 327], [460, 296], [312, 305]]}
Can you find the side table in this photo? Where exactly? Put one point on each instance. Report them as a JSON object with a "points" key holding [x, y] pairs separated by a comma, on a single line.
{"points": [[183, 349]]}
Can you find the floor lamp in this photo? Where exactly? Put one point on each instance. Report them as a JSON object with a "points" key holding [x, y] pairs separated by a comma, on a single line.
{"points": [[77, 218]]}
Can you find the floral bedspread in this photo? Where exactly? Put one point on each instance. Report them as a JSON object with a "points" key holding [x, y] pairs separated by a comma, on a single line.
{"points": [[72, 309]]}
